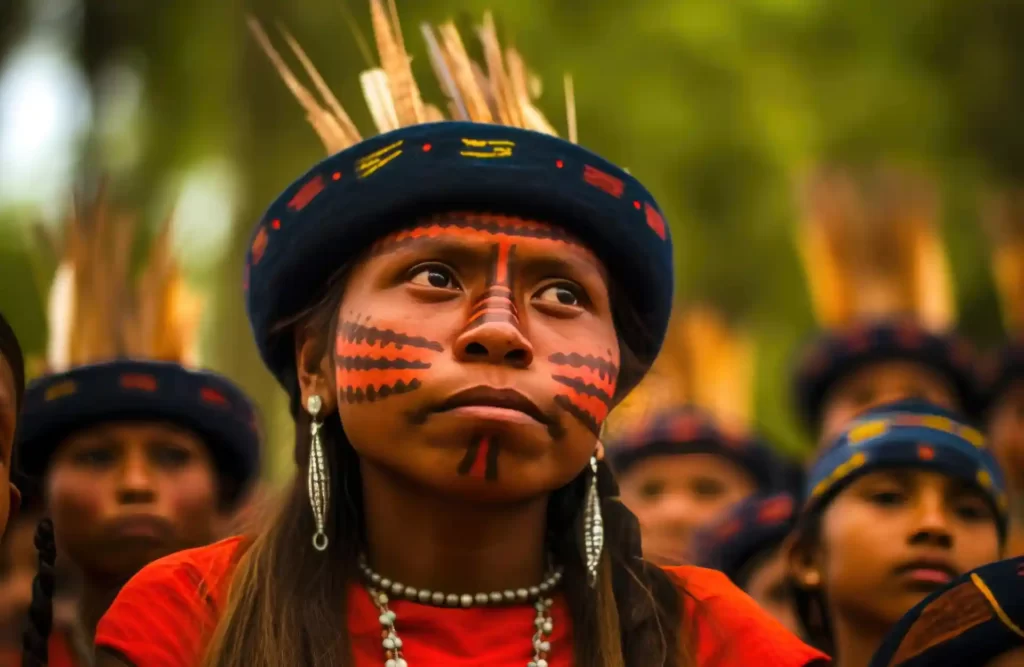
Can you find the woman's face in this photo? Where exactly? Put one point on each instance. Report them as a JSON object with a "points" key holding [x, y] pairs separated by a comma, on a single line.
{"points": [[674, 496], [123, 494], [475, 355], [893, 537], [880, 383]]}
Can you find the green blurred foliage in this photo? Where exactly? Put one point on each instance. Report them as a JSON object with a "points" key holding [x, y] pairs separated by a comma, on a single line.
{"points": [[717, 106]]}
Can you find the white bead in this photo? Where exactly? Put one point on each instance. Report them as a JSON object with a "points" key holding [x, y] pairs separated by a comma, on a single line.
{"points": [[391, 616], [510, 596], [545, 647], [521, 594], [467, 600], [437, 598], [398, 641], [403, 663], [542, 663], [385, 583], [388, 643], [482, 599], [385, 620], [397, 588], [495, 598], [452, 600], [425, 596], [531, 664], [382, 598], [390, 663], [411, 593], [548, 627]]}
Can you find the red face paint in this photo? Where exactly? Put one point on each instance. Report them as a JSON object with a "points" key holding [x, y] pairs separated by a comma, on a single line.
{"points": [[373, 363], [588, 386]]}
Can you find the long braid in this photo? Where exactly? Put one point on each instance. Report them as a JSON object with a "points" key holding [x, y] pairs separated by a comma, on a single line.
{"points": [[37, 636]]}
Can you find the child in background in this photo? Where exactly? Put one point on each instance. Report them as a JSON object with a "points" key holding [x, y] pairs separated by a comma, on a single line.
{"points": [[905, 500], [680, 471]]}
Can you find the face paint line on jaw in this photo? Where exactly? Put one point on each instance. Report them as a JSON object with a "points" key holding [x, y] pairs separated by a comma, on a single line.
{"points": [[470, 463], [372, 363], [590, 382]]}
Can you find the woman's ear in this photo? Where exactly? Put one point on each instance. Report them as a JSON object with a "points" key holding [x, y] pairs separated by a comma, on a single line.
{"points": [[803, 560], [315, 370]]}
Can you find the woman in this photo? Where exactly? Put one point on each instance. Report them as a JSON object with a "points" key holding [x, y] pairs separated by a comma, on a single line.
{"points": [[450, 355], [12, 385], [880, 282], [746, 546], [135, 458], [680, 471], [906, 500], [975, 621]]}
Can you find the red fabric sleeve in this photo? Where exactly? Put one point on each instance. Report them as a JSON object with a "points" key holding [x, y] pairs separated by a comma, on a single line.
{"points": [[726, 627], [164, 615]]}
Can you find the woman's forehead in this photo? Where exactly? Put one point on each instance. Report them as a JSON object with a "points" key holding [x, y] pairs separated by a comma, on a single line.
{"points": [[467, 228]]}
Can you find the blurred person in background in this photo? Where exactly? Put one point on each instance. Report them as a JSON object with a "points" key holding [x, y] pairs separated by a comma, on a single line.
{"points": [[136, 455], [904, 501], [974, 621], [746, 546], [681, 471], [1002, 376], [881, 290], [12, 386], [680, 444], [449, 371]]}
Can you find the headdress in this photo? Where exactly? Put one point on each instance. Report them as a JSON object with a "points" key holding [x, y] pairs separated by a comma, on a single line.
{"points": [[1004, 218], [749, 529], [119, 349], [969, 622], [912, 434], [697, 398], [879, 281], [498, 154]]}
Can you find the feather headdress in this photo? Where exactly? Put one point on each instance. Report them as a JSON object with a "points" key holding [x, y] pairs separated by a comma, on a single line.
{"points": [[97, 312], [871, 250], [704, 363], [501, 90], [1004, 221]]}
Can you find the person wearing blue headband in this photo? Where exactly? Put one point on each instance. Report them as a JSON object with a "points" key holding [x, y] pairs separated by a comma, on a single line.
{"points": [[135, 455], [453, 308], [906, 499], [977, 620], [746, 546]]}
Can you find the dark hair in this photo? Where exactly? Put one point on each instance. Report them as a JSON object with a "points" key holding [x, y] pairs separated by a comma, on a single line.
{"points": [[40, 612], [283, 599], [11, 351]]}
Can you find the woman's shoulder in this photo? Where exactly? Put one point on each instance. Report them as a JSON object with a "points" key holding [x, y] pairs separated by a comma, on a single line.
{"points": [[163, 613], [727, 627]]}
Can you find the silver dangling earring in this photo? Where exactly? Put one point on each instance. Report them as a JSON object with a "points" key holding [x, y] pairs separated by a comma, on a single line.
{"points": [[593, 527], [318, 481]]}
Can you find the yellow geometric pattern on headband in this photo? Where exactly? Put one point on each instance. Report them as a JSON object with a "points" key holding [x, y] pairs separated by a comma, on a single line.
{"points": [[841, 471], [60, 390], [878, 427]]}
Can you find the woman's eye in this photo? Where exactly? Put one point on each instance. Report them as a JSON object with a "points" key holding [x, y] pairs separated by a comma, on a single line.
{"points": [[434, 276], [564, 295], [170, 456], [94, 457]]}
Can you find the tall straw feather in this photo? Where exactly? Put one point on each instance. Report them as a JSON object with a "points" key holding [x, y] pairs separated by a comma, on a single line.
{"points": [[871, 249], [500, 90], [1003, 217], [704, 362], [96, 312]]}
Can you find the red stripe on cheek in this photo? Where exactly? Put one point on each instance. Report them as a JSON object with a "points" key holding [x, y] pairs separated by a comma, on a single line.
{"points": [[606, 384], [377, 377], [344, 348], [590, 404]]}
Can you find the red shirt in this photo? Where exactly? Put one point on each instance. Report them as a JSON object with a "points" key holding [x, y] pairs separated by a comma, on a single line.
{"points": [[163, 616]]}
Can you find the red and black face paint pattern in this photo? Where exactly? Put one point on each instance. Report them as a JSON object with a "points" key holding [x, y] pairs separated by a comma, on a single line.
{"points": [[372, 364], [588, 386], [497, 303], [486, 466]]}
